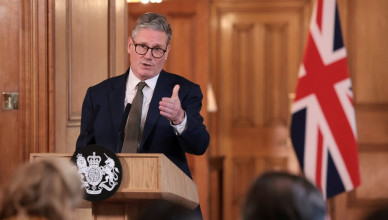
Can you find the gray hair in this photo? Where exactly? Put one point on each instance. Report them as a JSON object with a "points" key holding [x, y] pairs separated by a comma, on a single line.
{"points": [[153, 21]]}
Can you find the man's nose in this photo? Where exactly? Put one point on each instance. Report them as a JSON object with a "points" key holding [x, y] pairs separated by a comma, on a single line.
{"points": [[148, 54]]}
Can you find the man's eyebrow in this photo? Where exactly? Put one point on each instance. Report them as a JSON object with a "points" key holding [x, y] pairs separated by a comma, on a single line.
{"points": [[146, 44]]}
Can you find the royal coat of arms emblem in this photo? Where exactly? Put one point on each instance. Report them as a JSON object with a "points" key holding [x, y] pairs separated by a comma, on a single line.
{"points": [[100, 172], [93, 174]]}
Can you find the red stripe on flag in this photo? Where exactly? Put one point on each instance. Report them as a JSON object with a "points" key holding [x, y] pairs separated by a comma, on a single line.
{"points": [[318, 171], [319, 14], [350, 99]]}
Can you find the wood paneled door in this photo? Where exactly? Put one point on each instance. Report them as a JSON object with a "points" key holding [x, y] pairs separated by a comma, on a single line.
{"points": [[256, 51]]}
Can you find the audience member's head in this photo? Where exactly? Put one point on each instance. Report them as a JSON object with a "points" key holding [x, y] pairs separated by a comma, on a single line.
{"points": [[49, 188], [166, 210], [279, 195]]}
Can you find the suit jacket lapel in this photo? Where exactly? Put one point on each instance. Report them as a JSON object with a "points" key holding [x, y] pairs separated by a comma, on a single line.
{"points": [[163, 89], [116, 100]]}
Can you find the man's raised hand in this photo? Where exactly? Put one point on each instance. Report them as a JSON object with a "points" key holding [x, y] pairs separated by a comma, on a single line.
{"points": [[171, 108]]}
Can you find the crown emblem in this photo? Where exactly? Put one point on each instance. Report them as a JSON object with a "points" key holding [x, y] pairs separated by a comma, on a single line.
{"points": [[94, 160]]}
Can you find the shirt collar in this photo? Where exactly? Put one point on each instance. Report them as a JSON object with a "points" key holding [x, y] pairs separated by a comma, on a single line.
{"points": [[133, 81]]}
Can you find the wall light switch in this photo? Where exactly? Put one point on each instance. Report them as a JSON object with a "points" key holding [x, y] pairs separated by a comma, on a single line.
{"points": [[10, 100]]}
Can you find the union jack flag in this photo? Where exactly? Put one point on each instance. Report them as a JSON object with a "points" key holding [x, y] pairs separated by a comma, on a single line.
{"points": [[323, 127]]}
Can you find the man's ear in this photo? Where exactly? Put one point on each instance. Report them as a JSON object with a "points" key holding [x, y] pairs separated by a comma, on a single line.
{"points": [[130, 43], [167, 51]]}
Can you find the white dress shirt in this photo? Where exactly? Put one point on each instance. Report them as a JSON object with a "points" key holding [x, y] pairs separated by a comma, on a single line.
{"points": [[148, 92]]}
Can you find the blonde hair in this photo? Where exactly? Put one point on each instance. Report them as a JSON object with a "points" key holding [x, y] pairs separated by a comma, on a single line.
{"points": [[49, 188]]}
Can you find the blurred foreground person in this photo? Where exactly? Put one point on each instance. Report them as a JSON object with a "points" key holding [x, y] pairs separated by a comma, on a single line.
{"points": [[283, 196], [44, 189]]}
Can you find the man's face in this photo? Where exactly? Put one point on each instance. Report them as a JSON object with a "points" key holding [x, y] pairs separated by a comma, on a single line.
{"points": [[146, 66]]}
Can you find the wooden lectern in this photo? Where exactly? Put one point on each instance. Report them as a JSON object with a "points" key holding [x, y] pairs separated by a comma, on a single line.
{"points": [[146, 177]]}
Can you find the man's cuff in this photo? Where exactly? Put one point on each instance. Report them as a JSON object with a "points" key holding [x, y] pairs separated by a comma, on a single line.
{"points": [[179, 129]]}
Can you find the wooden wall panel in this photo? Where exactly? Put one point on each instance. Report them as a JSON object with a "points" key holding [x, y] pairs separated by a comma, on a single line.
{"points": [[90, 47], [243, 175], [25, 67], [372, 124], [87, 41], [369, 51], [11, 77], [104, 211], [119, 28], [243, 58], [275, 84], [182, 45]]}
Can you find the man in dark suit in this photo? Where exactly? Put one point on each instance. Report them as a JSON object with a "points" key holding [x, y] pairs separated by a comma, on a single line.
{"points": [[170, 120]]}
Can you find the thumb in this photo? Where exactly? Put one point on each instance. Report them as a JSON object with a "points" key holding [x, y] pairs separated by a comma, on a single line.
{"points": [[175, 91]]}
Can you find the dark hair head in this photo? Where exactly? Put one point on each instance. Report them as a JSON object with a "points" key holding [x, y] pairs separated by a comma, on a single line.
{"points": [[279, 195], [155, 22]]}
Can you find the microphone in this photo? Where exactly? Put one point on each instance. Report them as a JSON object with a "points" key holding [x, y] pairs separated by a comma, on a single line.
{"points": [[89, 128], [122, 127]]}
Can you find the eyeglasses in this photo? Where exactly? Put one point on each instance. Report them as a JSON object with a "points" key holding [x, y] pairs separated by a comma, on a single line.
{"points": [[142, 49]]}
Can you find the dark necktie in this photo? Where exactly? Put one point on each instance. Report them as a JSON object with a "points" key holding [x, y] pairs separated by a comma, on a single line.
{"points": [[132, 131]]}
